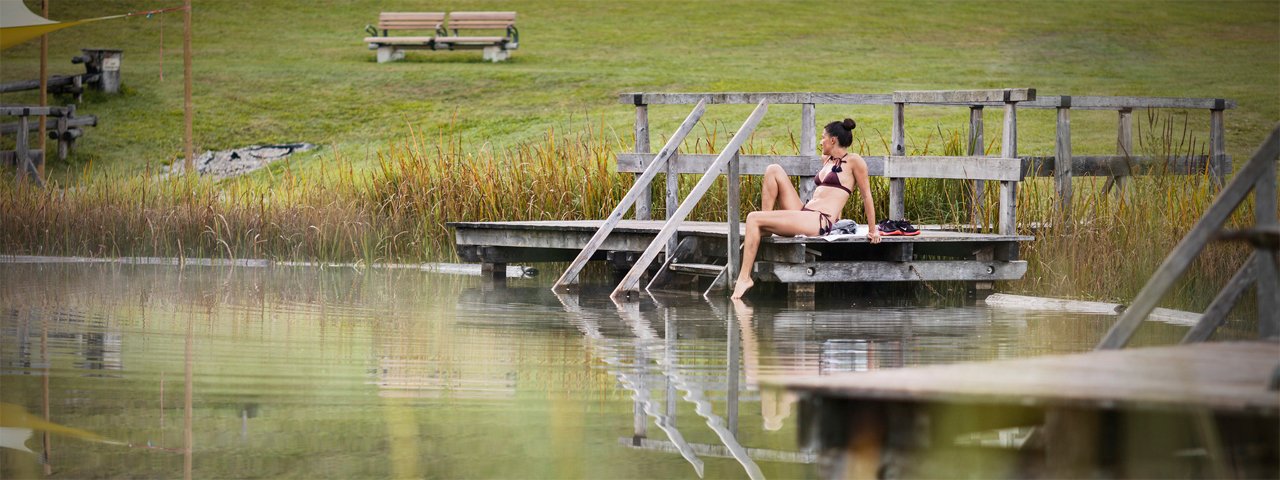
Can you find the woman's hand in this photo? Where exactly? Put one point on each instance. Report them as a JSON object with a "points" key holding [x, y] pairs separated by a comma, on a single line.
{"points": [[873, 234]]}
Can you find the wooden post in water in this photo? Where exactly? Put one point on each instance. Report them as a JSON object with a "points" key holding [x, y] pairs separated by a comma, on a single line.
{"points": [[645, 201], [808, 146], [735, 230], [897, 186], [1009, 189], [1218, 164], [188, 116], [1062, 158], [1124, 147], [976, 149]]}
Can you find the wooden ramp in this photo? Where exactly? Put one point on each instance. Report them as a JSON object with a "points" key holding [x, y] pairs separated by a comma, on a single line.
{"points": [[933, 255], [1198, 410]]}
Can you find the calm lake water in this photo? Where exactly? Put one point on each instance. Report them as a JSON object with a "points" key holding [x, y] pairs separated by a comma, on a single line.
{"points": [[335, 373]]}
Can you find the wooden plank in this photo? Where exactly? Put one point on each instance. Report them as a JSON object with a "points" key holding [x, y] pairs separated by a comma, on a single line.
{"points": [[1218, 146], [879, 271], [1182, 255], [808, 147], [1124, 147], [644, 202], [10, 157], [1265, 216], [734, 216], [897, 186], [31, 111], [1009, 190], [1220, 376], [632, 278], [570, 275], [719, 451], [1122, 102], [967, 168], [22, 152], [1062, 171], [552, 239], [976, 148], [1216, 314], [751, 98], [1109, 165], [697, 163], [965, 96]]}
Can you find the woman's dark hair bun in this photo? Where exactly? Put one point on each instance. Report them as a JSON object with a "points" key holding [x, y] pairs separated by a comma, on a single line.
{"points": [[849, 124]]}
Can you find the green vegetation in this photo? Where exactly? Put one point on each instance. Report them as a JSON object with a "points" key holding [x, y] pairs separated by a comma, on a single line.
{"points": [[444, 136]]}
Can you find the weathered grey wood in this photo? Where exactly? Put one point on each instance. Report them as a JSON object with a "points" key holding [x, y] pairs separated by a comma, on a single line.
{"points": [[81, 121], [632, 278], [1218, 147], [9, 157], [1113, 165], [32, 111], [1182, 255], [976, 148], [1093, 102], [1009, 190], [644, 202], [66, 138], [673, 193], [897, 186], [1062, 171], [966, 168], [551, 238], [965, 96], [1265, 214], [665, 274], [719, 451], [734, 215], [808, 147], [22, 151], [697, 163], [751, 98], [570, 275], [1216, 314], [1124, 147], [877, 271]]}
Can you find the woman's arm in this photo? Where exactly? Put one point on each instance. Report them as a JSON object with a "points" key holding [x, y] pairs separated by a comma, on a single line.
{"points": [[868, 204]]}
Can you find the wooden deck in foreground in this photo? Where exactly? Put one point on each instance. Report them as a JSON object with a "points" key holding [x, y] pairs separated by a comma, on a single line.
{"points": [[1194, 410], [933, 255]]}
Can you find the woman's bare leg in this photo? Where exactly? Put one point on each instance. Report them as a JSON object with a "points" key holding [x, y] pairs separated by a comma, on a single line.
{"points": [[776, 190], [781, 222]]}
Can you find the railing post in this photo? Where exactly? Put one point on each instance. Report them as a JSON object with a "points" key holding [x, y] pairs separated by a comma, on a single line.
{"points": [[1009, 189], [21, 150], [735, 236], [673, 196], [976, 149], [1124, 146], [808, 146], [897, 186], [645, 202], [1062, 158], [1265, 213], [1219, 168]]}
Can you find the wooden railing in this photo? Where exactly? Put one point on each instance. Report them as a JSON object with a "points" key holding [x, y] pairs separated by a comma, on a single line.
{"points": [[1259, 176]]}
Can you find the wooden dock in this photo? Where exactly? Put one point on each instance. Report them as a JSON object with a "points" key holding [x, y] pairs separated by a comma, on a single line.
{"points": [[1193, 410]]}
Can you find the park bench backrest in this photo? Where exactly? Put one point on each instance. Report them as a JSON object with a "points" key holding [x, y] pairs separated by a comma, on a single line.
{"points": [[410, 21], [481, 20]]}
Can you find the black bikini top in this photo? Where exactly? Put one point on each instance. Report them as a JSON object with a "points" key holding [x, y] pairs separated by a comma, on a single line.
{"points": [[832, 179]]}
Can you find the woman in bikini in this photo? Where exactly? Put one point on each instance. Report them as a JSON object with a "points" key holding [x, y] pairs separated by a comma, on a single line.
{"points": [[782, 213]]}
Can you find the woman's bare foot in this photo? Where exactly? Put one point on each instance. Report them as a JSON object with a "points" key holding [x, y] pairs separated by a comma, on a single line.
{"points": [[741, 288]]}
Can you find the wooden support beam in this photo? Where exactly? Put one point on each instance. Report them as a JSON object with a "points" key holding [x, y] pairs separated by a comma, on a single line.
{"points": [[1216, 314], [1124, 148], [961, 97], [1182, 255], [897, 186], [880, 271], [976, 148], [734, 215], [644, 202], [1220, 166], [719, 451], [1268, 286], [669, 228], [753, 98], [1062, 149], [966, 168], [1008, 189], [570, 275], [673, 194], [808, 147], [1117, 165], [698, 163], [1093, 102]]}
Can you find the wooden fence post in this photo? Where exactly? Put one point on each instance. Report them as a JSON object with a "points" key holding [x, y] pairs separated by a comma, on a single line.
{"points": [[1062, 158], [1009, 189], [22, 150], [977, 148], [735, 234], [897, 186], [808, 146], [1219, 168], [1124, 147], [645, 202], [1265, 214]]}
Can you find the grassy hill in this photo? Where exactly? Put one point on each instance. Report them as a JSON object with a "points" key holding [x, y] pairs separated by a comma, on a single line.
{"points": [[276, 71]]}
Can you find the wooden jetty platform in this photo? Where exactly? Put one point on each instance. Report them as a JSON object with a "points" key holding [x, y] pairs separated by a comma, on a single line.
{"points": [[674, 254], [1147, 412]]}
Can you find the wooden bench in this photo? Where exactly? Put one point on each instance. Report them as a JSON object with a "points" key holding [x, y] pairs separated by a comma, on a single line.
{"points": [[392, 48], [496, 47]]}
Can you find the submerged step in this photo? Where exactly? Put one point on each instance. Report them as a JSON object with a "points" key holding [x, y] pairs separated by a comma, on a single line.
{"points": [[702, 269]]}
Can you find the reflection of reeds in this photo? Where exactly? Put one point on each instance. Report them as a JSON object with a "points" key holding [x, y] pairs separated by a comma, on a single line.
{"points": [[397, 211]]}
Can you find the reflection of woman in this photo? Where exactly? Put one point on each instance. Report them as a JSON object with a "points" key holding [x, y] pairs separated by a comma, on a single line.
{"points": [[781, 211]]}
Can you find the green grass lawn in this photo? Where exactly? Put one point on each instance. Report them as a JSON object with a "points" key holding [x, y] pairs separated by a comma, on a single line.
{"points": [[276, 71]]}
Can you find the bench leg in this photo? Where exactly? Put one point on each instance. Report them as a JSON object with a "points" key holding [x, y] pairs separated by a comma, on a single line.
{"points": [[389, 54], [496, 54]]}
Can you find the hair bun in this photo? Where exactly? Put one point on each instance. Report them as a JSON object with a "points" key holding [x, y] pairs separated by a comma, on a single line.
{"points": [[849, 124]]}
